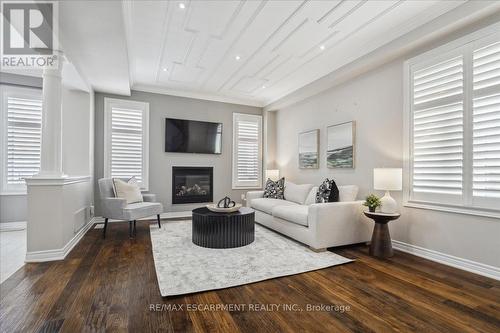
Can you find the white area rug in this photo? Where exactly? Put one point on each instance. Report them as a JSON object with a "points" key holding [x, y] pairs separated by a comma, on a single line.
{"points": [[183, 267]]}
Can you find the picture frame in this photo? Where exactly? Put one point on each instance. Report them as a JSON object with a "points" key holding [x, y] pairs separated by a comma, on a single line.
{"points": [[309, 149], [341, 145]]}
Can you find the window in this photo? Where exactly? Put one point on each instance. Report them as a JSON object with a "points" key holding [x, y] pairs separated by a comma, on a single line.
{"points": [[247, 151], [126, 134], [453, 120], [21, 122]]}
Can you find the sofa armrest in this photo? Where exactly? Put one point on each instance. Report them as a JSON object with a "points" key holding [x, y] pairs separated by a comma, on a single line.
{"points": [[342, 220], [253, 195], [149, 197], [113, 207]]}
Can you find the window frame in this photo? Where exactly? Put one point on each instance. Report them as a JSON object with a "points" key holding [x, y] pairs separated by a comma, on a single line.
{"points": [[236, 118], [463, 46], [109, 103], [18, 91]]}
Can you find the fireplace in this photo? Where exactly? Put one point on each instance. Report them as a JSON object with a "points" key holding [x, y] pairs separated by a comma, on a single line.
{"points": [[192, 185]]}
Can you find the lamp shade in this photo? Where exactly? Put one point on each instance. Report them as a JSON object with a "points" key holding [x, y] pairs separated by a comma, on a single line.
{"points": [[388, 179], [273, 174]]}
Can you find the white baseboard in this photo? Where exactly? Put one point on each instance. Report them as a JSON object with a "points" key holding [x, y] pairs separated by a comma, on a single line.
{"points": [[446, 259], [59, 254]]}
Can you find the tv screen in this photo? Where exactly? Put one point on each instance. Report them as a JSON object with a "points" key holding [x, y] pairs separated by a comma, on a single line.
{"points": [[190, 136]]}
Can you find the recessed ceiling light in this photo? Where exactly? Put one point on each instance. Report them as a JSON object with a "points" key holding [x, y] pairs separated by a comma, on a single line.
{"points": [[164, 69], [263, 87], [322, 47], [237, 57], [182, 6]]}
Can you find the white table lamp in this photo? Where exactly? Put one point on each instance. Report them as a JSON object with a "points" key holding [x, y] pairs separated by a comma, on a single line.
{"points": [[274, 175], [388, 179]]}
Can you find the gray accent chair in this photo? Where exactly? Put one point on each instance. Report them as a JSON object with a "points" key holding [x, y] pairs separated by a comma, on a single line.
{"points": [[118, 209]]}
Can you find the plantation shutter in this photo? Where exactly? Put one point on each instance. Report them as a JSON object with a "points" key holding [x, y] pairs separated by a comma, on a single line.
{"points": [[247, 155], [24, 121], [438, 130], [128, 131], [486, 124]]}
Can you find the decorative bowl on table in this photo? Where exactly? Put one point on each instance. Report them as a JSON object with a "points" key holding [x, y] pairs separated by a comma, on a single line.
{"points": [[214, 208]]}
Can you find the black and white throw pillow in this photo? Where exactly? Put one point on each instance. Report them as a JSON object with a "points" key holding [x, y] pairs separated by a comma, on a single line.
{"points": [[327, 192], [334, 192], [275, 189]]}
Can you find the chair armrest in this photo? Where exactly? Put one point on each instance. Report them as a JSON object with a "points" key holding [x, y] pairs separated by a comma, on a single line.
{"points": [[334, 210], [253, 195], [338, 220], [113, 207], [148, 197]]}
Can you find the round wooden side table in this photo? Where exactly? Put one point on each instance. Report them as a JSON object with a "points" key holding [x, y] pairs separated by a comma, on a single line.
{"points": [[381, 244]]}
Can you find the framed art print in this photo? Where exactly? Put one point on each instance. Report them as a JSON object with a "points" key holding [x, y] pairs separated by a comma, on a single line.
{"points": [[309, 149], [340, 148]]}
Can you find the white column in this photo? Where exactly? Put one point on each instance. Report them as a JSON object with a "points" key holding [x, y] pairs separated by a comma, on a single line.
{"points": [[51, 145]]}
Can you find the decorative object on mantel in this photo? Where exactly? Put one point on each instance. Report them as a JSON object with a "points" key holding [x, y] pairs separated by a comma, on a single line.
{"points": [[388, 179], [309, 149], [274, 175], [372, 202], [225, 205], [340, 148]]}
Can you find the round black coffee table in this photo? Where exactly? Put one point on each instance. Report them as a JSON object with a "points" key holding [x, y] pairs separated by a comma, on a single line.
{"points": [[223, 230]]}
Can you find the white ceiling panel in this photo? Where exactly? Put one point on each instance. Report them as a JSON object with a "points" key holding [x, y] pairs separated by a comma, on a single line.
{"points": [[253, 51], [256, 50]]}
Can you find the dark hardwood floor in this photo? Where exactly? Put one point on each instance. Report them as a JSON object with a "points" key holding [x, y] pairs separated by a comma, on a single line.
{"points": [[110, 285]]}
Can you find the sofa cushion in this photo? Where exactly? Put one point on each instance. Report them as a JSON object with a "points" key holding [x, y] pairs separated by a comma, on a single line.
{"points": [[274, 189], [348, 192], [266, 205], [129, 191], [295, 214], [297, 193], [311, 197]]}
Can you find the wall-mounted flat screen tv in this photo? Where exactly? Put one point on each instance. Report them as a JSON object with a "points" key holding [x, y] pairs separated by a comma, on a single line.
{"points": [[191, 136]]}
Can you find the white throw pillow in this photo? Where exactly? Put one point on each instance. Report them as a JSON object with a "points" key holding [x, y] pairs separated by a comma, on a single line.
{"points": [[297, 193], [311, 197], [129, 191], [348, 192]]}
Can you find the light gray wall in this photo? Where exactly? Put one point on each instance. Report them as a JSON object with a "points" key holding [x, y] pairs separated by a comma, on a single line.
{"points": [[160, 163], [375, 101], [78, 132], [270, 140], [13, 207], [21, 80]]}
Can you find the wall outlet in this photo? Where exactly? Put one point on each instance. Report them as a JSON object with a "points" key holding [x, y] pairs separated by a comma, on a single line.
{"points": [[243, 197], [91, 211]]}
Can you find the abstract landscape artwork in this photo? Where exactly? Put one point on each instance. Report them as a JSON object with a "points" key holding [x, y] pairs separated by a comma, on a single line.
{"points": [[309, 149], [340, 145]]}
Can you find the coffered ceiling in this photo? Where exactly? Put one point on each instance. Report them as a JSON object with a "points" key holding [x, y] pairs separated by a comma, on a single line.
{"points": [[249, 52], [258, 51]]}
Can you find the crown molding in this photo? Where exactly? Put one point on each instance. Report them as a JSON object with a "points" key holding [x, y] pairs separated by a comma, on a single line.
{"points": [[197, 95]]}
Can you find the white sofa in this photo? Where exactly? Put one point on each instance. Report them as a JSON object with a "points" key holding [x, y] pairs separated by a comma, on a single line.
{"points": [[318, 225]]}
